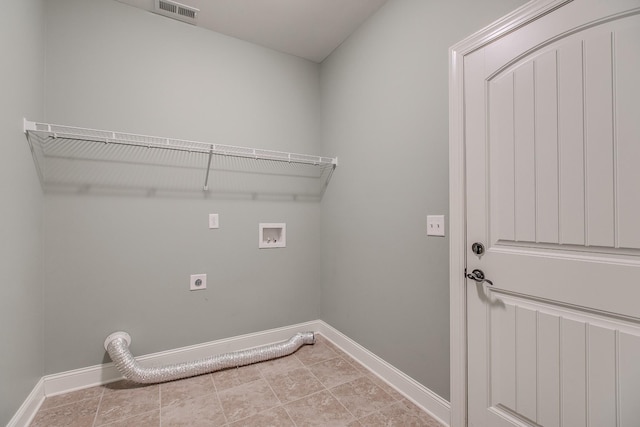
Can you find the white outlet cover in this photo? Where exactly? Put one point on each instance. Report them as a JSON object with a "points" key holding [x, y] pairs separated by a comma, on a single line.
{"points": [[198, 282], [435, 225], [214, 221]]}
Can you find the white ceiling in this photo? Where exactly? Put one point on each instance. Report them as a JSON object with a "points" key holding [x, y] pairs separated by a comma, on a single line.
{"points": [[311, 29]]}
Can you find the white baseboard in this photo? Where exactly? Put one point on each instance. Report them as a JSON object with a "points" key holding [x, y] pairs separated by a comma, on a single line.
{"points": [[431, 402], [29, 407], [103, 374], [77, 379]]}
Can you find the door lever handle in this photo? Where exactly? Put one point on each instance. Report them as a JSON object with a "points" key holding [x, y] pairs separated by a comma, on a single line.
{"points": [[478, 276]]}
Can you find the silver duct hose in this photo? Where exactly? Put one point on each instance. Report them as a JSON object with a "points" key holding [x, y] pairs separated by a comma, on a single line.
{"points": [[117, 345]]}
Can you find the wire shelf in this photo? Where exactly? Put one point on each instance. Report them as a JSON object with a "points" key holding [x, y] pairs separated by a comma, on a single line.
{"points": [[80, 158]]}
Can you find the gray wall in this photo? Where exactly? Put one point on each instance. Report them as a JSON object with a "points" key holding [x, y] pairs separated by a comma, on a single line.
{"points": [[122, 261], [384, 114], [21, 357]]}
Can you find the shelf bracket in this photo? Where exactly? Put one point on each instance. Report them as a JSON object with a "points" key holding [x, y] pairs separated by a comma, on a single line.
{"points": [[206, 178], [27, 125]]}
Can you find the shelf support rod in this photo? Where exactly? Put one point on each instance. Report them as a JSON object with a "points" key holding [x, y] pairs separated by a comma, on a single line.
{"points": [[206, 178], [31, 126], [326, 183]]}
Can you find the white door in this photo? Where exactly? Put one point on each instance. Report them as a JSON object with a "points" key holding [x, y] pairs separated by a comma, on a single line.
{"points": [[552, 134]]}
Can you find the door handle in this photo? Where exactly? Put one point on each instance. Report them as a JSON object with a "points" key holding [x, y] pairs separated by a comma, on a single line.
{"points": [[478, 276]]}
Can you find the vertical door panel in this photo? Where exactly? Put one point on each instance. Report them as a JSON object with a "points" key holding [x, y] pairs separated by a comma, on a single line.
{"points": [[526, 363], [574, 367], [571, 141], [627, 111], [602, 376], [501, 161], [548, 370], [524, 154], [546, 142], [599, 141], [503, 361], [629, 377]]}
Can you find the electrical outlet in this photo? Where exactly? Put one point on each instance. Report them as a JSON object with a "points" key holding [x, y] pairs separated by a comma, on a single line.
{"points": [[213, 221], [198, 282], [435, 225]]}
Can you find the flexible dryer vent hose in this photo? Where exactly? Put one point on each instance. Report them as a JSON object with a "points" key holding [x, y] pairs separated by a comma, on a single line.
{"points": [[117, 345]]}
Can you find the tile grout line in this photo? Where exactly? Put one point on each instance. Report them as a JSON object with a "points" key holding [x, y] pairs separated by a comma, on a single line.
{"points": [[341, 404], [403, 401], [314, 376], [360, 374], [349, 360], [69, 403], [329, 390], [301, 398], [215, 388], [276, 394], [379, 411], [289, 415], [393, 400], [126, 418], [95, 417], [262, 376], [337, 355], [283, 405], [160, 404]]}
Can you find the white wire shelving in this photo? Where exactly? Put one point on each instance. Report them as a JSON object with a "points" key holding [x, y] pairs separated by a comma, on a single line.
{"points": [[74, 156]]}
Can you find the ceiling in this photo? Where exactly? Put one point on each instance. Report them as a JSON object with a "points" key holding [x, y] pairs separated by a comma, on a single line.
{"points": [[310, 29]]}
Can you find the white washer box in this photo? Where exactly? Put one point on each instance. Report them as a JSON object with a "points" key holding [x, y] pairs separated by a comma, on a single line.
{"points": [[272, 235]]}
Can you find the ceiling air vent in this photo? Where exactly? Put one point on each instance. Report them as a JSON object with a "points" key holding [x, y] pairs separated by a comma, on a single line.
{"points": [[177, 11]]}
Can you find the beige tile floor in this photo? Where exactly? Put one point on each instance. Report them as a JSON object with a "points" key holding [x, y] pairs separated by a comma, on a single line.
{"points": [[319, 385]]}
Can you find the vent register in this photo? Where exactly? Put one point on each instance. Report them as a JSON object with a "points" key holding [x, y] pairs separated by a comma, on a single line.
{"points": [[177, 11]]}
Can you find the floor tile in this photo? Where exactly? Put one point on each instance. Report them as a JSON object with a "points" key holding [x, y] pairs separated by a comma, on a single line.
{"points": [[247, 399], [294, 384], [360, 368], [320, 409], [312, 354], [77, 414], [341, 353], [398, 415], [334, 372], [174, 391], [276, 392], [395, 394], [276, 417], [72, 397], [125, 399], [235, 376], [361, 397], [413, 409], [198, 411], [149, 419], [282, 364]]}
